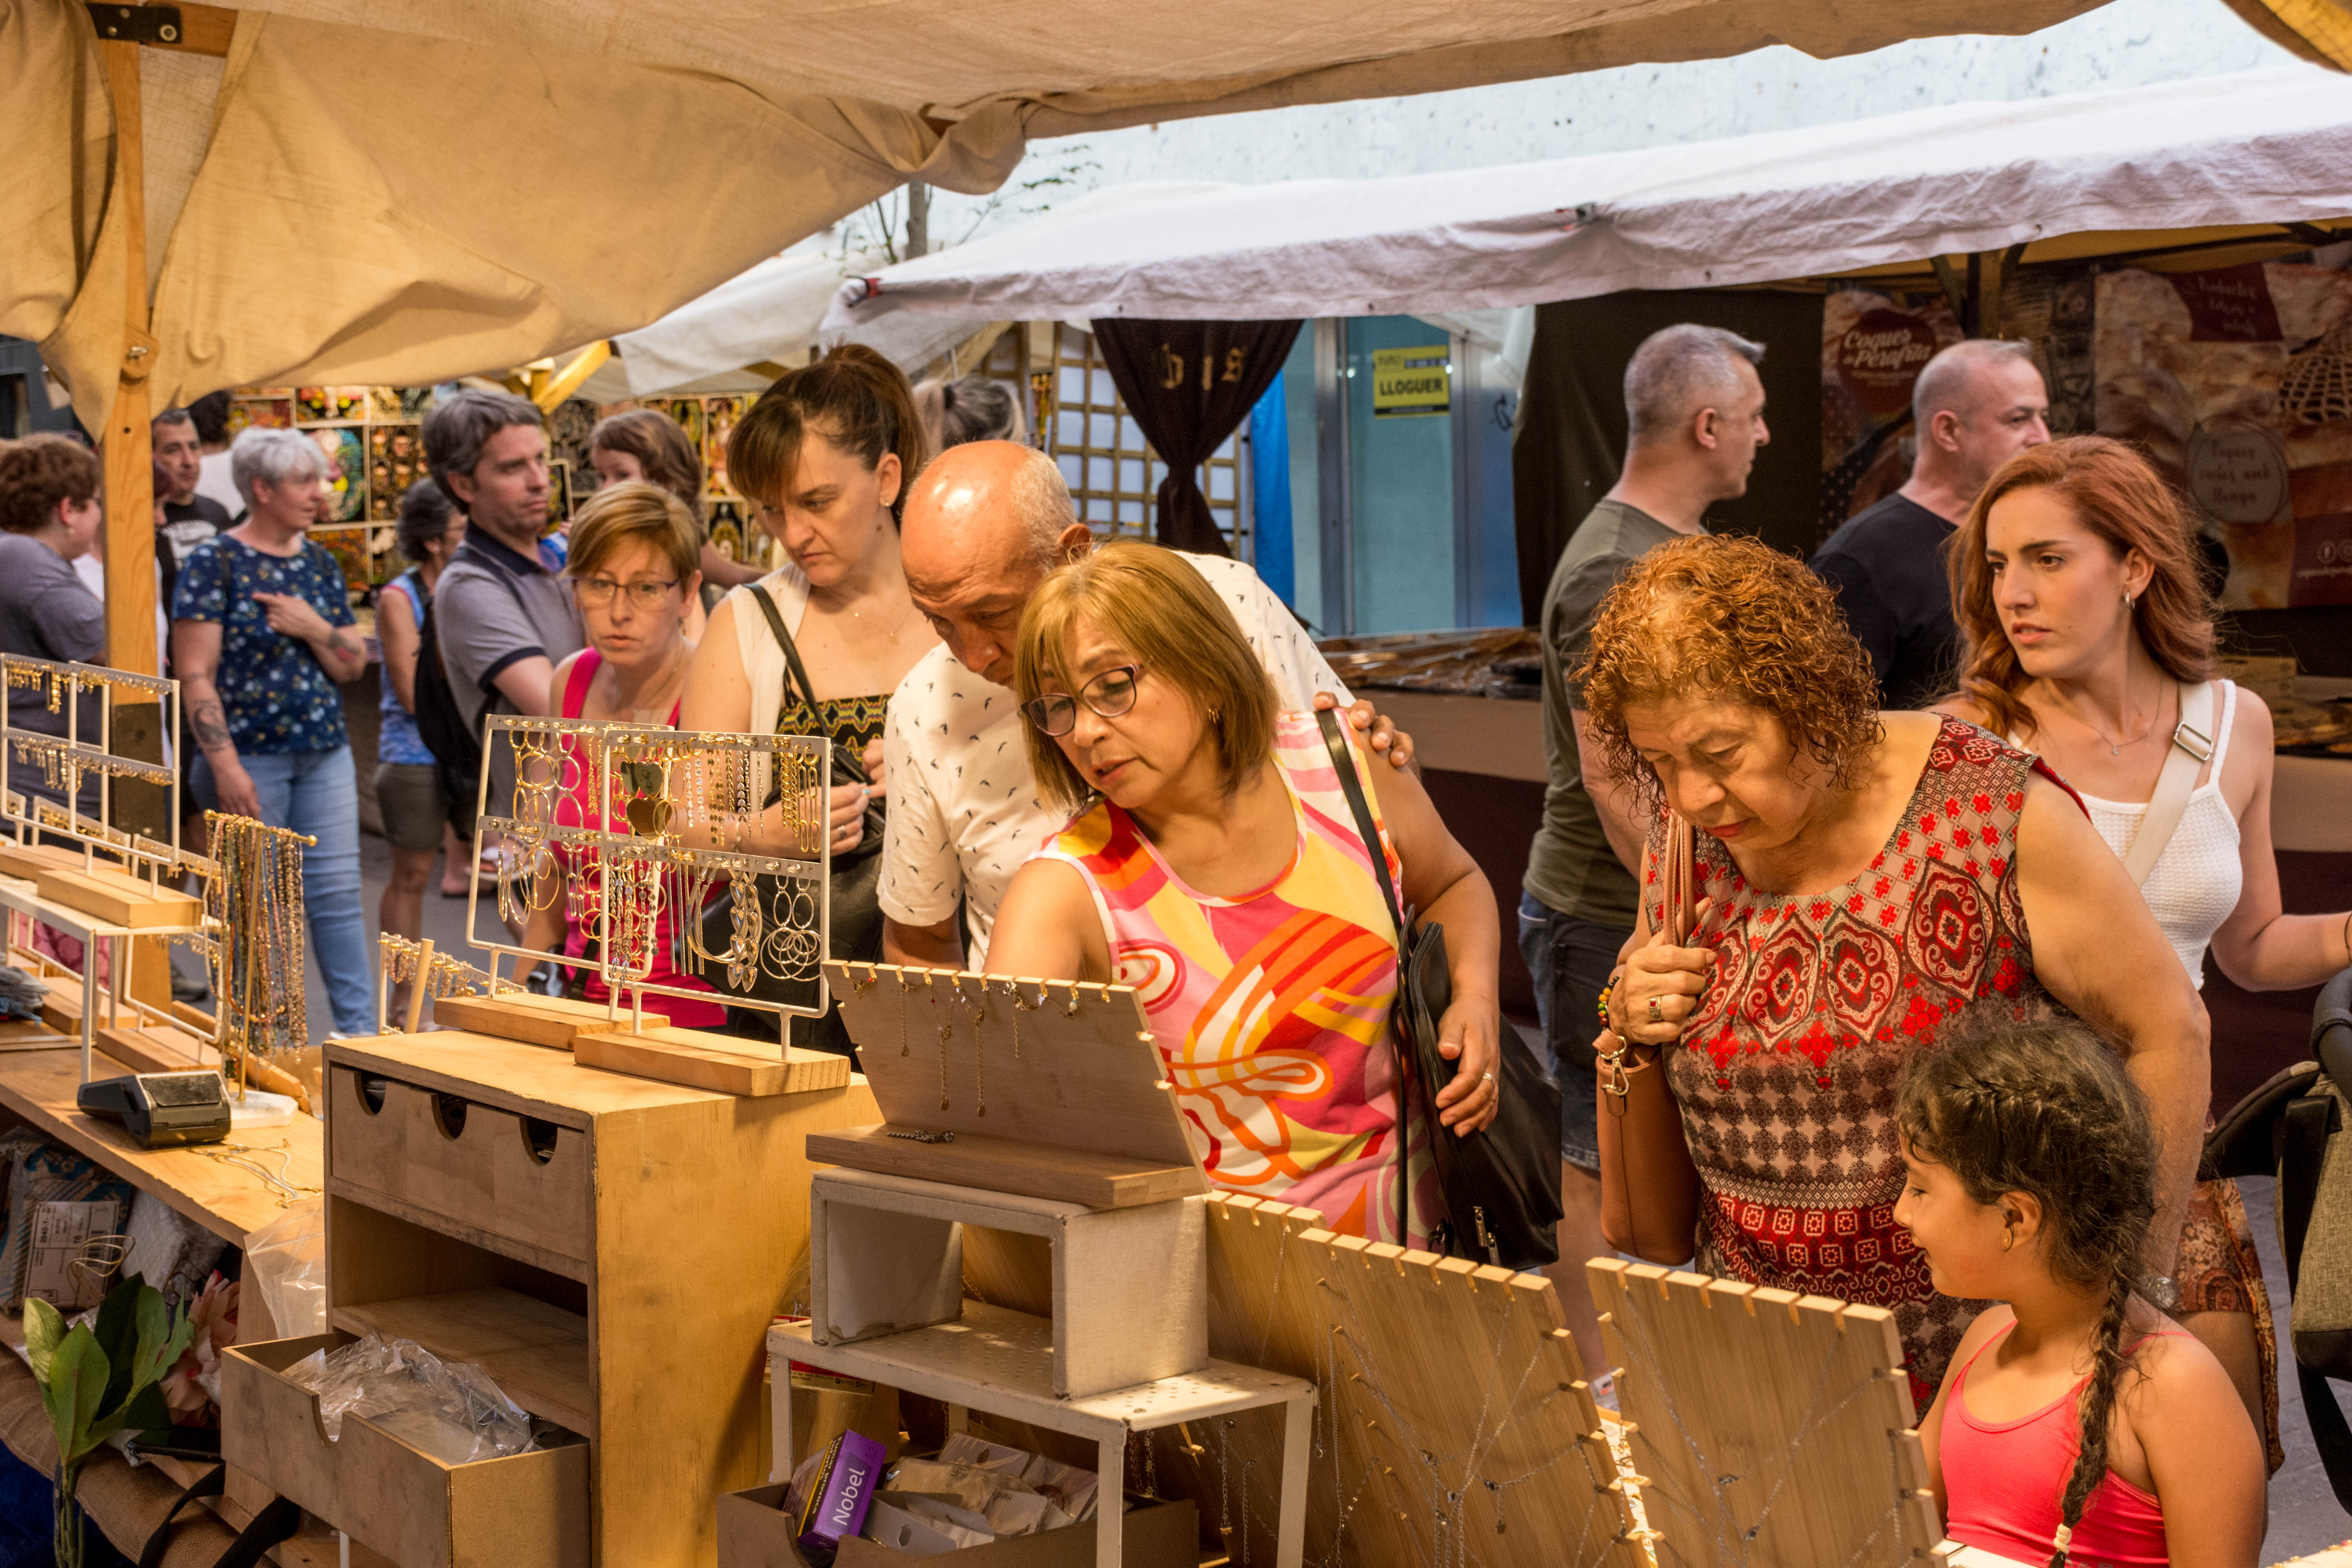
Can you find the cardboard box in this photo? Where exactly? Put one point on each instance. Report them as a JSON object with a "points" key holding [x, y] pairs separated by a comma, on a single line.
{"points": [[755, 1531]]}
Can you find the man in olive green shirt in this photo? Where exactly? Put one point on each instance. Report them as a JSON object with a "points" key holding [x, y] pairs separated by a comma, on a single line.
{"points": [[1695, 408]]}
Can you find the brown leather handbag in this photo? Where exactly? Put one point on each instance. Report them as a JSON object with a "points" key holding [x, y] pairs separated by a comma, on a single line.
{"points": [[1649, 1188]]}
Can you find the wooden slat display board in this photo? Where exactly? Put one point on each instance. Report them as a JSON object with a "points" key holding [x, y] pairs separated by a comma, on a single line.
{"points": [[1771, 1430], [1453, 1425], [1052, 1089]]}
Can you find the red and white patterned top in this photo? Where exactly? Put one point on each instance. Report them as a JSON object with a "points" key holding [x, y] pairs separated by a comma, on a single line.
{"points": [[1787, 1073]]}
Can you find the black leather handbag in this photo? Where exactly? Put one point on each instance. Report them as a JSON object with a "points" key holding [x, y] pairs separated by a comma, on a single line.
{"points": [[1502, 1182]]}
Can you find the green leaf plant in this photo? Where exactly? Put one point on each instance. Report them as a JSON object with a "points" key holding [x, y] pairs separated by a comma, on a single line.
{"points": [[94, 1382]]}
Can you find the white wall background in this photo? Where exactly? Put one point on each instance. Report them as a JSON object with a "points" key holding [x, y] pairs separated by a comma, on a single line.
{"points": [[2121, 44]]}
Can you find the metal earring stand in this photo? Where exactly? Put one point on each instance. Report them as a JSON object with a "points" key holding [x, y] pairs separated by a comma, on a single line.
{"points": [[668, 836], [60, 882]]}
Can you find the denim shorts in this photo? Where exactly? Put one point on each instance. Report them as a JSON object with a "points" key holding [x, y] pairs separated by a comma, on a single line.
{"points": [[1570, 959]]}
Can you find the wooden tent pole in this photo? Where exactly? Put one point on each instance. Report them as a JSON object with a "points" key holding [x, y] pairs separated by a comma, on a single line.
{"points": [[128, 444]]}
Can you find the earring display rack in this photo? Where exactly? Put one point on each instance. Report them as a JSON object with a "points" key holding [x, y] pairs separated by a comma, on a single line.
{"points": [[692, 827], [50, 870]]}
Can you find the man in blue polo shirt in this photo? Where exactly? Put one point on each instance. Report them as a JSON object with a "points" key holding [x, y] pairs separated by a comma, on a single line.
{"points": [[502, 613]]}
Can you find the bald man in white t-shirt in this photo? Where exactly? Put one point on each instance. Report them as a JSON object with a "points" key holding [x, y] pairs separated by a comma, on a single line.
{"points": [[984, 524]]}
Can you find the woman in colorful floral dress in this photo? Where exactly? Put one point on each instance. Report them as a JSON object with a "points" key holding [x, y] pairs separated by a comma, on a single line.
{"points": [[1215, 866], [1866, 875]]}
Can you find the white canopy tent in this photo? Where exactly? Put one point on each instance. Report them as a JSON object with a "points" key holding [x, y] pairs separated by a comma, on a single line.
{"points": [[2265, 147]]}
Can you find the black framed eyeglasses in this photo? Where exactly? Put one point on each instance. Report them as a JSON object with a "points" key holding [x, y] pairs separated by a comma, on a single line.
{"points": [[1110, 694], [599, 591]]}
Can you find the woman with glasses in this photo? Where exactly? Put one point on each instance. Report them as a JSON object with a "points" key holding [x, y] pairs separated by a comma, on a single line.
{"points": [[818, 645], [633, 569], [1213, 863]]}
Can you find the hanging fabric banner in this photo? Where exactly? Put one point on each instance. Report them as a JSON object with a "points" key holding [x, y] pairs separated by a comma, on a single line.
{"points": [[1188, 384]]}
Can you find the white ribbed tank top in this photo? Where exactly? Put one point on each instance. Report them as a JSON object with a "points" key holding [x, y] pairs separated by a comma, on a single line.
{"points": [[2197, 879]]}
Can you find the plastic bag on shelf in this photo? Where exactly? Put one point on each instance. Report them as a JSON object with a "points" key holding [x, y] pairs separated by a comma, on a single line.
{"points": [[287, 1261], [450, 1410]]}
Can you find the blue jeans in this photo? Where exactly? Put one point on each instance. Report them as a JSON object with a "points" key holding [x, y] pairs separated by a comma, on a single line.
{"points": [[317, 792], [1570, 959]]}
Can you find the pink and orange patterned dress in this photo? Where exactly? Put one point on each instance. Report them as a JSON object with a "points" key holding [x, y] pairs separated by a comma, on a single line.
{"points": [[1271, 1010], [1787, 1073]]}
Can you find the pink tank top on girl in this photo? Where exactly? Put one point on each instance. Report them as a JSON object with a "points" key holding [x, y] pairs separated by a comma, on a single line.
{"points": [[578, 809], [2004, 1478]]}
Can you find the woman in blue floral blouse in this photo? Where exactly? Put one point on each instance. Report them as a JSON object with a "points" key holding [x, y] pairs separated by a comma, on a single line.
{"points": [[262, 635]]}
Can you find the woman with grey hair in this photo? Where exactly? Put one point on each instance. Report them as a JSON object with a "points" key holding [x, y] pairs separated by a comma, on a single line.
{"points": [[262, 635]]}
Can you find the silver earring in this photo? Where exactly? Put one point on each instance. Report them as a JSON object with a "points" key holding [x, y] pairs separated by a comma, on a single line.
{"points": [[2127, 603]]}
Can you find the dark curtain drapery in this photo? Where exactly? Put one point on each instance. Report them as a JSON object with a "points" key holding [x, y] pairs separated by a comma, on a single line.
{"points": [[1188, 384], [1569, 441]]}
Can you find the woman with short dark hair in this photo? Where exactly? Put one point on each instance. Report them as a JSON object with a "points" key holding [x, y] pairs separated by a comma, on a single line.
{"points": [[49, 518], [1866, 875]]}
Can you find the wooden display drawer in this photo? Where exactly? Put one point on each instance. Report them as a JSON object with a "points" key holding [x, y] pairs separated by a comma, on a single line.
{"points": [[528, 1510], [510, 1183]]}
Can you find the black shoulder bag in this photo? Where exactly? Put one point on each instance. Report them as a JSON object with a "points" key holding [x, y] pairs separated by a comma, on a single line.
{"points": [[1502, 1182], [855, 911]]}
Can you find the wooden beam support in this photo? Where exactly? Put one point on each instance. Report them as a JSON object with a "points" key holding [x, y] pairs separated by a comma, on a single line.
{"points": [[129, 445], [550, 390]]}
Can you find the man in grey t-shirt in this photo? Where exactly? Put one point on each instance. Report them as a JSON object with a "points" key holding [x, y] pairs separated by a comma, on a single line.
{"points": [[502, 613], [1696, 407]]}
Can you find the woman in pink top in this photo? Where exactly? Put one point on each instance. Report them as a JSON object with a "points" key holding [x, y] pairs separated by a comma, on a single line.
{"points": [[2077, 1423], [1214, 865], [634, 573]]}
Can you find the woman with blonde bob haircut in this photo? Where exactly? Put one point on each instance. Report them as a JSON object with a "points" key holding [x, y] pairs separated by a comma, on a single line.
{"points": [[635, 568], [1865, 876], [2079, 588], [1212, 862]]}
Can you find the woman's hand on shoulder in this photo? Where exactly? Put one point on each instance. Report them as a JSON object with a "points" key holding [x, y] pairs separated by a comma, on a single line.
{"points": [[1047, 928]]}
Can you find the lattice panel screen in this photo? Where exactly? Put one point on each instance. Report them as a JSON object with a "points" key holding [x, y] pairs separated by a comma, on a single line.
{"points": [[1114, 474]]}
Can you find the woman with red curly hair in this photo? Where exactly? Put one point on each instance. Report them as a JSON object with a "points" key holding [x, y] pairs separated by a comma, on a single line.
{"points": [[1864, 876], [2078, 586]]}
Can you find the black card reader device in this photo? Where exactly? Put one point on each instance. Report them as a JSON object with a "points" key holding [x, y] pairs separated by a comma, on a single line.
{"points": [[161, 1110]]}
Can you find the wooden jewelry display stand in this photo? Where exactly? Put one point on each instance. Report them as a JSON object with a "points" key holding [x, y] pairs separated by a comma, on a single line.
{"points": [[610, 1250], [1771, 1430], [1123, 1349], [682, 819], [60, 882], [1051, 1091]]}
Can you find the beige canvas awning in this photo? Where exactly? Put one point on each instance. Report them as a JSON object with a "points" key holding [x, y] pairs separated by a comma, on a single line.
{"points": [[404, 191], [407, 190]]}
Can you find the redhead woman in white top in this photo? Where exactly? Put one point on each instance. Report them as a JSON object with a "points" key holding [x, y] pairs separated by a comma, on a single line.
{"points": [[2090, 641]]}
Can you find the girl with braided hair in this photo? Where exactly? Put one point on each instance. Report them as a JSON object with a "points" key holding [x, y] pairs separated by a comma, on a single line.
{"points": [[2078, 1424]]}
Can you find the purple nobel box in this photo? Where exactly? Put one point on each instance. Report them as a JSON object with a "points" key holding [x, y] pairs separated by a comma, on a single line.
{"points": [[838, 1498]]}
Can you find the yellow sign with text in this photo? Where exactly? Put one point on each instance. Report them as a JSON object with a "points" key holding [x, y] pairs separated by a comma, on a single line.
{"points": [[1408, 382]]}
